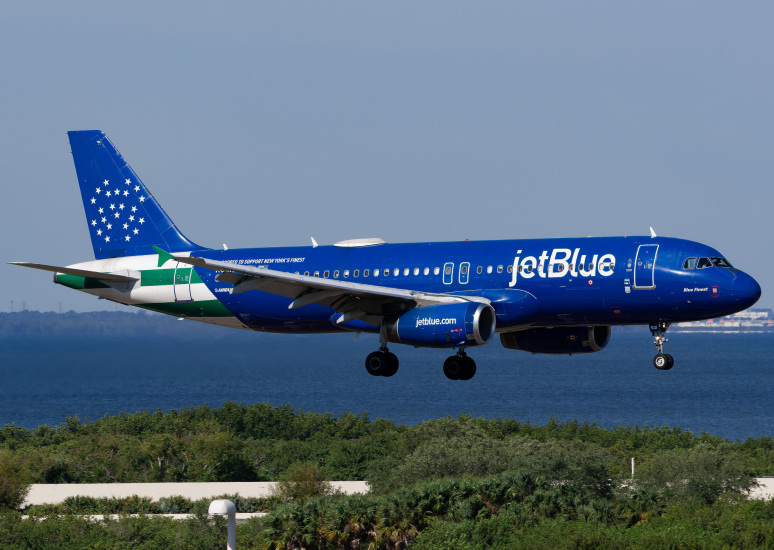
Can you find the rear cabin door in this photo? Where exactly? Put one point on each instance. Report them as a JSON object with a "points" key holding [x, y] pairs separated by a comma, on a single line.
{"points": [[645, 267], [183, 283]]}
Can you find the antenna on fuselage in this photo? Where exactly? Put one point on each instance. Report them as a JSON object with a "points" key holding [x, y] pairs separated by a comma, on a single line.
{"points": [[652, 234], [314, 243]]}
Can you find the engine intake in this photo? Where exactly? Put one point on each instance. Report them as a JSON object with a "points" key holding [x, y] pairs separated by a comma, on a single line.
{"points": [[442, 326], [558, 340]]}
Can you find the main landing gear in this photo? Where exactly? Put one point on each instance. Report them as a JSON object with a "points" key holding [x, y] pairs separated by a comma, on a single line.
{"points": [[385, 363], [382, 362], [662, 361], [459, 367]]}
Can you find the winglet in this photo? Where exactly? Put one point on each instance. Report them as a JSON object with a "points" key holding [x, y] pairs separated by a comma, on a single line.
{"points": [[164, 257], [652, 233]]}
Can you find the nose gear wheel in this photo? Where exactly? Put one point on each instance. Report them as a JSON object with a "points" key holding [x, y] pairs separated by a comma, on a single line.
{"points": [[662, 361]]}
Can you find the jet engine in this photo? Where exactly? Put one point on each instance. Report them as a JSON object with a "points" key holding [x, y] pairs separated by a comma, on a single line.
{"points": [[442, 326], [558, 340]]}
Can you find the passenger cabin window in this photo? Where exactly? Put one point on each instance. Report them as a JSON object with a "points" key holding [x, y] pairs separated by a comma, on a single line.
{"points": [[346, 273], [489, 269], [336, 274], [416, 271], [499, 269], [479, 270], [436, 271], [405, 272], [316, 273], [690, 263], [704, 263], [306, 273], [326, 273], [427, 271], [396, 272], [510, 269], [356, 273], [376, 273]]}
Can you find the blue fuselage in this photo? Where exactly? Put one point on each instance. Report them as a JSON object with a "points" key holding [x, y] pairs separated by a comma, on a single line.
{"points": [[538, 283]]}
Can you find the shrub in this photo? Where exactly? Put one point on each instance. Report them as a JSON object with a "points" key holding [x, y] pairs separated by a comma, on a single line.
{"points": [[301, 481], [14, 480]]}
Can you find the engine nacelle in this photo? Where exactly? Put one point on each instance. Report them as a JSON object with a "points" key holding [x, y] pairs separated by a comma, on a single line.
{"points": [[558, 340], [442, 326]]}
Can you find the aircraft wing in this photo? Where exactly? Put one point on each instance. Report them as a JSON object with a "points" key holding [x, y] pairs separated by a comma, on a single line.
{"points": [[368, 303], [107, 277]]}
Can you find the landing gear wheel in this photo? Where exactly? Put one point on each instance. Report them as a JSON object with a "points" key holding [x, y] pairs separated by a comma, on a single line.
{"points": [[459, 367], [381, 363], [392, 364], [663, 361], [454, 367], [470, 369]]}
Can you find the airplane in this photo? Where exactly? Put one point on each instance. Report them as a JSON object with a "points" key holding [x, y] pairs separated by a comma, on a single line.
{"points": [[551, 296]]}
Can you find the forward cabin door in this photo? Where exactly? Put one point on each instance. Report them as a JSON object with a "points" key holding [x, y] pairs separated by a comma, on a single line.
{"points": [[183, 283], [645, 267]]}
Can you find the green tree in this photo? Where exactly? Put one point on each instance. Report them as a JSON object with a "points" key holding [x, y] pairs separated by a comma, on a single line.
{"points": [[702, 472], [14, 479], [302, 481]]}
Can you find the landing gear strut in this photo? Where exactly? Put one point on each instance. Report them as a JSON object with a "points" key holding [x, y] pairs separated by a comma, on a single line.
{"points": [[459, 367], [662, 361], [382, 362]]}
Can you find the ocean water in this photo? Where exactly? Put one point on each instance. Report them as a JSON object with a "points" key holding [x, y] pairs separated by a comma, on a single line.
{"points": [[722, 384]]}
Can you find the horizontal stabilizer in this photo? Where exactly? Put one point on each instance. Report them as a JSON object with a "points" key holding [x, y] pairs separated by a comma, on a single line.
{"points": [[107, 277]]}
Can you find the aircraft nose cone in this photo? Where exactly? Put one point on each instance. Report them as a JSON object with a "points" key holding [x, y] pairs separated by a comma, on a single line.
{"points": [[746, 289]]}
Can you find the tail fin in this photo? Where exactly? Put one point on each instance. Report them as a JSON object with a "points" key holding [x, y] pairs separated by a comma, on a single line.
{"points": [[124, 219]]}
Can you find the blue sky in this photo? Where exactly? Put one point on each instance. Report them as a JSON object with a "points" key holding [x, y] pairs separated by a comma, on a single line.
{"points": [[262, 124]]}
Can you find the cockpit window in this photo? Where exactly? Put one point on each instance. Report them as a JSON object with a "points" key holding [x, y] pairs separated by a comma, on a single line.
{"points": [[704, 263], [690, 263], [721, 262]]}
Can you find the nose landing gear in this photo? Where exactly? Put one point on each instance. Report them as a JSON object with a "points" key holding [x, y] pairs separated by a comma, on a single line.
{"points": [[662, 361], [459, 367]]}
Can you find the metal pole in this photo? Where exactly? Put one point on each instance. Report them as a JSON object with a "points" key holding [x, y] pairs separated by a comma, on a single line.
{"points": [[226, 508]]}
